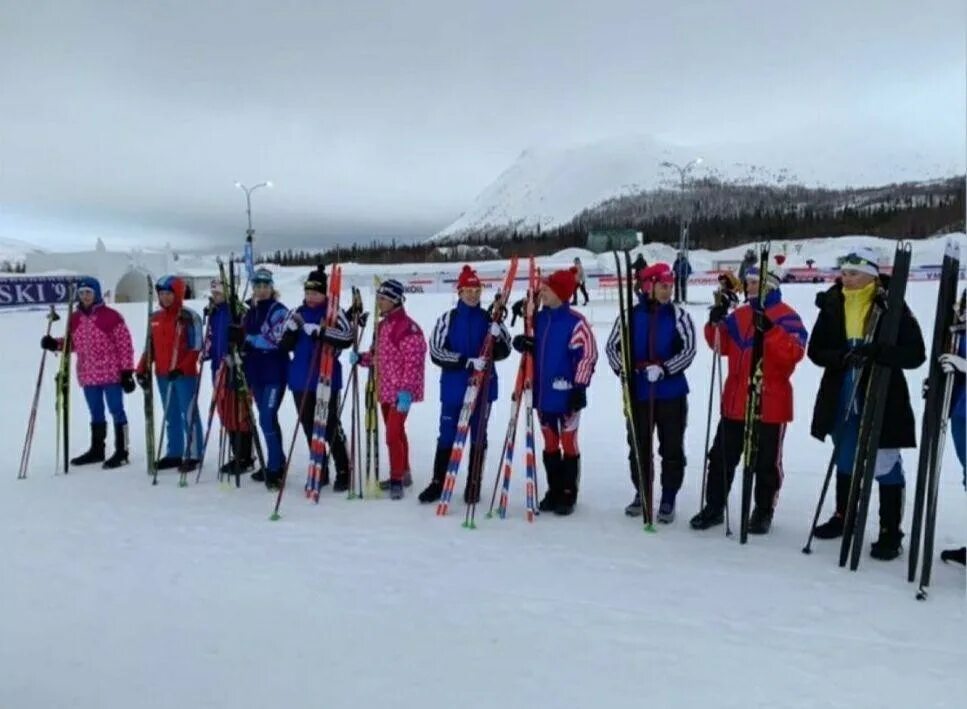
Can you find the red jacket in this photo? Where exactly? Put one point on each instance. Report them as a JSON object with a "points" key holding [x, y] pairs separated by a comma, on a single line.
{"points": [[165, 323], [783, 345]]}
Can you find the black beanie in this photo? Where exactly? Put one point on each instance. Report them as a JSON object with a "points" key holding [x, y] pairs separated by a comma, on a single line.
{"points": [[317, 280]]}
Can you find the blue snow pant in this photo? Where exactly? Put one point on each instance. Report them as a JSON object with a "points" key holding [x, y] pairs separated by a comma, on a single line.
{"points": [[449, 415], [180, 414], [957, 424], [268, 399], [889, 466], [96, 395]]}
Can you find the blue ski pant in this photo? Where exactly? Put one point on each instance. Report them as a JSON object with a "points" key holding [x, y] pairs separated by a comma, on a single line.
{"points": [[97, 395], [957, 426], [889, 465], [449, 416], [268, 399], [180, 415]]}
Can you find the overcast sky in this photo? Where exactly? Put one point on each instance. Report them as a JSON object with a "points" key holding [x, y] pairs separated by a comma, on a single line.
{"points": [[388, 118]]}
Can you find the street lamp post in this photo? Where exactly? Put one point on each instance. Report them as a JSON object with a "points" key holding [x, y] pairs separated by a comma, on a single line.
{"points": [[248, 204], [683, 175]]}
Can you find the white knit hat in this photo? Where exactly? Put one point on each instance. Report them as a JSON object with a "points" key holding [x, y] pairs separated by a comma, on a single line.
{"points": [[863, 260]]}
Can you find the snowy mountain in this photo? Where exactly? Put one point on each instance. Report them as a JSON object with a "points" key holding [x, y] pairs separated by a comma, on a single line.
{"points": [[549, 187]]}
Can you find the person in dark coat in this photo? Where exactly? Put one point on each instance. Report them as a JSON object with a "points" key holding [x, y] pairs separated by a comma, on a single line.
{"points": [[682, 270], [843, 346], [455, 347], [305, 335]]}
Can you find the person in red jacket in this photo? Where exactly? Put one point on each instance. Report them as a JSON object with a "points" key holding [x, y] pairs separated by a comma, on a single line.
{"points": [[176, 343], [783, 346]]}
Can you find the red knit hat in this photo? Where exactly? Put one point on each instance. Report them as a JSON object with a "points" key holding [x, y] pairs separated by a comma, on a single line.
{"points": [[468, 278], [563, 283], [656, 273]]}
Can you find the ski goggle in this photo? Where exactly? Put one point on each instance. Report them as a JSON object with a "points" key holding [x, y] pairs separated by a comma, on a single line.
{"points": [[85, 290], [315, 285], [855, 260]]}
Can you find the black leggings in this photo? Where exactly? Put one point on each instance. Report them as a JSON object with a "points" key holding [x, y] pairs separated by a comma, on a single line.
{"points": [[335, 434]]}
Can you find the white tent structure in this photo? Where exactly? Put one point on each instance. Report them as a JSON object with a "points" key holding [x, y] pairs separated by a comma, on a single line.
{"points": [[122, 274]]}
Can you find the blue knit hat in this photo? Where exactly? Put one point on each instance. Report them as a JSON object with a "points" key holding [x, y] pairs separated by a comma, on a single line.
{"points": [[264, 276], [392, 290], [89, 283]]}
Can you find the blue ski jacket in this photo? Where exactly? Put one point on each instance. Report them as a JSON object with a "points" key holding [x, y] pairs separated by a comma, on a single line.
{"points": [[565, 354], [458, 336], [663, 335], [307, 348], [266, 362], [216, 344]]}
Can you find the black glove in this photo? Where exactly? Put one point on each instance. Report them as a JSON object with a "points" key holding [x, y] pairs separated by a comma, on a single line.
{"points": [[236, 334], [49, 343], [127, 381], [762, 321], [517, 309], [174, 374], [523, 343], [144, 381], [717, 313], [859, 356], [577, 399]]}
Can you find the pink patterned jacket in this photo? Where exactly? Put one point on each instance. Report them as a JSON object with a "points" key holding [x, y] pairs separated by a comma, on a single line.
{"points": [[102, 343], [400, 357]]}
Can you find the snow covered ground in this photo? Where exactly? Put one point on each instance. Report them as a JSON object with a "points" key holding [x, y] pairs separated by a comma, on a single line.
{"points": [[119, 594]]}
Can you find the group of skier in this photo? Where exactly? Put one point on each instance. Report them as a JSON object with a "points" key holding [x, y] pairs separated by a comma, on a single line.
{"points": [[269, 348]]}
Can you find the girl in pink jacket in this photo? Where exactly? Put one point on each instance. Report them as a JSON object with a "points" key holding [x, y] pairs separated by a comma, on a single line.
{"points": [[400, 359], [105, 364]]}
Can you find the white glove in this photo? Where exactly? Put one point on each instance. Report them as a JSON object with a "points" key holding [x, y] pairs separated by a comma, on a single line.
{"points": [[654, 372], [495, 329], [310, 329], [291, 324], [477, 363], [951, 363]]}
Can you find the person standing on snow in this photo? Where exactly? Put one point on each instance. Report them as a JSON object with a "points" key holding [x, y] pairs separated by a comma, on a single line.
{"points": [[565, 354], [306, 333], [176, 343], [582, 283], [455, 347], [105, 366], [783, 346], [955, 365], [400, 360], [663, 348], [682, 270], [266, 366], [837, 345]]}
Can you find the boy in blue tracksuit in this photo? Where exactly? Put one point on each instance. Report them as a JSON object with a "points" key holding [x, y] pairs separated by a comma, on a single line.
{"points": [[565, 353], [305, 336], [455, 347], [955, 365], [266, 367], [663, 348]]}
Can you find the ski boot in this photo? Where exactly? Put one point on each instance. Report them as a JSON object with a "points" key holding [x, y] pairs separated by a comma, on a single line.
{"points": [[396, 489], [568, 495], [710, 516], [760, 521], [95, 453], [407, 481], [434, 490], [666, 508], [341, 483], [954, 556], [169, 462], [120, 456], [634, 507], [552, 468], [888, 546], [833, 527]]}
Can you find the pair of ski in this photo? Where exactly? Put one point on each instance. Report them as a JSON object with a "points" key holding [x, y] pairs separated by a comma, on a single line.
{"points": [[477, 387], [523, 392], [52, 317], [948, 330], [644, 470]]}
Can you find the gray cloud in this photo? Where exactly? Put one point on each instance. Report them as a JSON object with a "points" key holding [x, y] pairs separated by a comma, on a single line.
{"points": [[389, 117]]}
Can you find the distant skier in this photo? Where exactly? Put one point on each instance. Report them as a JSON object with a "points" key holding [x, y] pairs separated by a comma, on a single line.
{"points": [[266, 367], [581, 279], [306, 333], [455, 346], [565, 354], [682, 270], [400, 359], [956, 365], [784, 344], [105, 366], [176, 341], [837, 345], [749, 260], [663, 348]]}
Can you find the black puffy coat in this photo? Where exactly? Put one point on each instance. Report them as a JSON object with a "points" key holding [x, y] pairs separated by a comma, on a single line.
{"points": [[827, 349]]}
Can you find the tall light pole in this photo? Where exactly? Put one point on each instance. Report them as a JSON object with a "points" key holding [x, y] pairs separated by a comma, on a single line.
{"points": [[248, 203], [683, 175]]}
